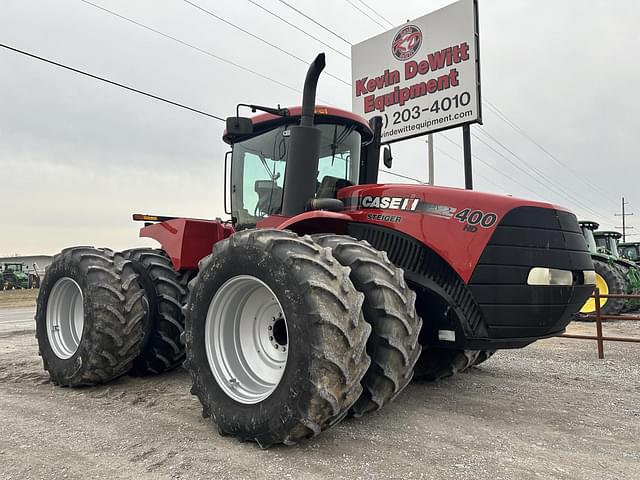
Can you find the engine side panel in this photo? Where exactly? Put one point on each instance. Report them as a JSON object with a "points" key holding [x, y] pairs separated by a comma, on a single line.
{"points": [[456, 224], [482, 264]]}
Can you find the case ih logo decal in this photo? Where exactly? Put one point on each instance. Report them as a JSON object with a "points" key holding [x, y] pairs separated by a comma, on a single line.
{"points": [[396, 203], [471, 218], [406, 42]]}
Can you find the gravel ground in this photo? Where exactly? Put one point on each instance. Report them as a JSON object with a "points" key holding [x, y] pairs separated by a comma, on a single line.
{"points": [[551, 410]]}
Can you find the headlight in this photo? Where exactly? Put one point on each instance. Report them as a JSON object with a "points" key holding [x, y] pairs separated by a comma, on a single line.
{"points": [[550, 276], [589, 277]]}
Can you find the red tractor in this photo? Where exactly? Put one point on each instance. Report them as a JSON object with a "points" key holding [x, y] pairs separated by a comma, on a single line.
{"points": [[325, 293]]}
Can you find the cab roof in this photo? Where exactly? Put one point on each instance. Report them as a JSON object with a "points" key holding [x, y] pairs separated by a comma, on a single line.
{"points": [[589, 224], [608, 234], [323, 115]]}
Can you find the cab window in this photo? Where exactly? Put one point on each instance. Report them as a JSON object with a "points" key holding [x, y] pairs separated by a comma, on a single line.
{"points": [[258, 170]]}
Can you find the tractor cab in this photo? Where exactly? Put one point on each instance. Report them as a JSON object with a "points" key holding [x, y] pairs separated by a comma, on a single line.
{"points": [[607, 242], [588, 227], [259, 158], [13, 267], [630, 251], [12, 275]]}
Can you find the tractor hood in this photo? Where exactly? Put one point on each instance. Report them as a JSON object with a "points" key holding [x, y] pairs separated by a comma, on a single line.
{"points": [[437, 216], [434, 198]]}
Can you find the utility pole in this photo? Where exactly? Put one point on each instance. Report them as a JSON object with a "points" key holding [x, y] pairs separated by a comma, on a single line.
{"points": [[430, 150], [624, 223]]}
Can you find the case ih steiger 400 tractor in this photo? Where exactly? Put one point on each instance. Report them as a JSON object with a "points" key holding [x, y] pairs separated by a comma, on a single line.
{"points": [[325, 293]]}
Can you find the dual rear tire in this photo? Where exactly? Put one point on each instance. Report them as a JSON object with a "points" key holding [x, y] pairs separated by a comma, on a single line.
{"points": [[164, 295], [103, 314], [90, 317]]}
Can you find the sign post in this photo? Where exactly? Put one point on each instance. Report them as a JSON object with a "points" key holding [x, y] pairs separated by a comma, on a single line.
{"points": [[422, 77], [466, 148], [430, 154]]}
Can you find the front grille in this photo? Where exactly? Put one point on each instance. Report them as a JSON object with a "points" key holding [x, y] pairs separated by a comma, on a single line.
{"points": [[530, 237]]}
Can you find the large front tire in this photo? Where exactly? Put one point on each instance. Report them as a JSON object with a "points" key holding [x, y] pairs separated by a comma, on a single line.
{"points": [[89, 318], [389, 307], [257, 282]]}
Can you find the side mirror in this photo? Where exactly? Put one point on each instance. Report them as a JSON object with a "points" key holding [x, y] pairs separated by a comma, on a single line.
{"points": [[387, 158], [239, 126]]}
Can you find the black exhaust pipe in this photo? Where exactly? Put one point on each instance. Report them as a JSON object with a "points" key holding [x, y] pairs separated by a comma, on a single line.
{"points": [[304, 148]]}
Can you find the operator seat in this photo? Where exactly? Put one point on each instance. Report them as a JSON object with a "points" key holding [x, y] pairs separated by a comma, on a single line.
{"points": [[329, 186]]}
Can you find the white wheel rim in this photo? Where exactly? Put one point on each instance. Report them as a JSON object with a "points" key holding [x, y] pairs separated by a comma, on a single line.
{"points": [[65, 317], [246, 339]]}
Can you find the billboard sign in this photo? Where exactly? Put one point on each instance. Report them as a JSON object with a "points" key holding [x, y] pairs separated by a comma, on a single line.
{"points": [[423, 76]]}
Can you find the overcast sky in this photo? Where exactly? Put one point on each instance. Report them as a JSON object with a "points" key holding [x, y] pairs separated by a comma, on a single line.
{"points": [[78, 157]]}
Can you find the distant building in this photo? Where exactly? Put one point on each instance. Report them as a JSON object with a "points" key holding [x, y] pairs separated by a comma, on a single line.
{"points": [[41, 262]]}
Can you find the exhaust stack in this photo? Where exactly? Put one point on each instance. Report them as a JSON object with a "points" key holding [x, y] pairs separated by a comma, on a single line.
{"points": [[304, 148]]}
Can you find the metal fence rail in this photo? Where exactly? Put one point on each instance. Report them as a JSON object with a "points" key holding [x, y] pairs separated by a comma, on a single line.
{"points": [[598, 337]]}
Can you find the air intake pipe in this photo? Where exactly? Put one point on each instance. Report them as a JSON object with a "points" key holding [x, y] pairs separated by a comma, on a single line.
{"points": [[304, 149]]}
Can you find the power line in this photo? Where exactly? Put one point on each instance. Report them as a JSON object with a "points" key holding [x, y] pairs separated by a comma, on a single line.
{"points": [[518, 129], [189, 45], [365, 13], [503, 117], [501, 188], [111, 82], [586, 208], [492, 167], [150, 95], [552, 185], [401, 176], [315, 21], [298, 28], [376, 12], [568, 197], [266, 42], [513, 125]]}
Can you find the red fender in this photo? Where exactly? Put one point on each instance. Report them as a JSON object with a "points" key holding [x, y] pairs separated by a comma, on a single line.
{"points": [[186, 240], [308, 223]]}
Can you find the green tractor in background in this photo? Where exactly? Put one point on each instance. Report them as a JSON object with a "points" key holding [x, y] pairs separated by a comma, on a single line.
{"points": [[630, 251], [614, 275], [607, 242], [14, 277]]}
